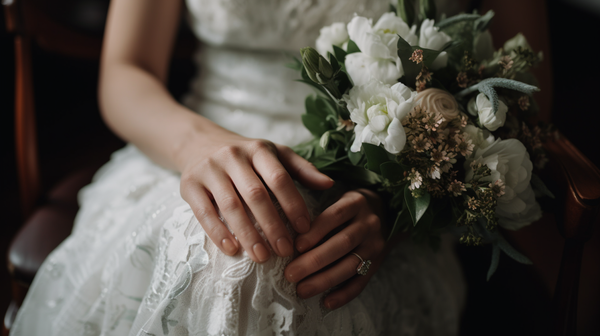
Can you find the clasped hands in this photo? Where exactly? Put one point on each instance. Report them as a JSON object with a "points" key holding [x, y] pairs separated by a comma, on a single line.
{"points": [[233, 168]]}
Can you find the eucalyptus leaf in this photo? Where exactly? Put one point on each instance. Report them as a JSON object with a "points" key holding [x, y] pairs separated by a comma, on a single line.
{"points": [[375, 156], [539, 185], [486, 87], [456, 19], [482, 23], [352, 47], [416, 206], [495, 260], [511, 252]]}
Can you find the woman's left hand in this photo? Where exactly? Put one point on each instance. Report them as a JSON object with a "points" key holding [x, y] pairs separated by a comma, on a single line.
{"points": [[361, 211]]}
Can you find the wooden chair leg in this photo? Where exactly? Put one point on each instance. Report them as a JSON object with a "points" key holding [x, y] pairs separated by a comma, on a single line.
{"points": [[19, 290]]}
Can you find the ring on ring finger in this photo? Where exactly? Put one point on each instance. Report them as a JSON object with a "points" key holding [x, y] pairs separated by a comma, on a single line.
{"points": [[363, 265]]}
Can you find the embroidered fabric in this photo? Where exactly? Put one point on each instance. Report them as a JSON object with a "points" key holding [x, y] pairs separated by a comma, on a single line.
{"points": [[139, 263]]}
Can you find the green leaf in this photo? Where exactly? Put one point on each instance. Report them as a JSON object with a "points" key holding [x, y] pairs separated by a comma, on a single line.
{"points": [[352, 47], [443, 24], [416, 206], [355, 157], [429, 55], [392, 171], [427, 9], [482, 23], [406, 11], [401, 224], [375, 156], [316, 125], [340, 54], [539, 185], [494, 263], [511, 252], [411, 69]]}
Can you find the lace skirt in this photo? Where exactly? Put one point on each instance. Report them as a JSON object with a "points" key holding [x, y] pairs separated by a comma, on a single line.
{"points": [[139, 263]]}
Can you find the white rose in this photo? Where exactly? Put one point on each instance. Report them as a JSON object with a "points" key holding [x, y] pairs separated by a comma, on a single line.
{"points": [[516, 220], [518, 41], [378, 109], [484, 46], [378, 58], [479, 137], [483, 107], [334, 35], [509, 161], [432, 38]]}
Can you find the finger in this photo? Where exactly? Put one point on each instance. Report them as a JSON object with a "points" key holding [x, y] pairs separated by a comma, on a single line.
{"points": [[204, 211], [352, 288], [333, 249], [337, 214], [258, 200], [235, 214], [268, 166], [341, 271], [302, 170]]}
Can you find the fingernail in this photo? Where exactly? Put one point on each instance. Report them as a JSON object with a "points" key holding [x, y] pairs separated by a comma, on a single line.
{"points": [[285, 247], [331, 304], [260, 252], [306, 291], [302, 244], [228, 246], [330, 179], [302, 225], [292, 273]]}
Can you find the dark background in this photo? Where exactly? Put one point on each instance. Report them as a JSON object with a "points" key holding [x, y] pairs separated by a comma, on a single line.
{"points": [[71, 135]]}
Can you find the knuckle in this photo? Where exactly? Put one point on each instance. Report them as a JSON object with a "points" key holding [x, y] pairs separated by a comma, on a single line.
{"points": [[261, 145], [202, 214], [347, 242], [316, 261], [230, 203], [256, 193], [373, 222], [279, 178], [337, 212], [229, 151]]}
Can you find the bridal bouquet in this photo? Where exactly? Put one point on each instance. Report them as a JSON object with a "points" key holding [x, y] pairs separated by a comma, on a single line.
{"points": [[429, 113]]}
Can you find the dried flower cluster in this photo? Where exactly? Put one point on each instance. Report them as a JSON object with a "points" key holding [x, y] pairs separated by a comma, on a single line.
{"points": [[433, 146], [480, 202]]}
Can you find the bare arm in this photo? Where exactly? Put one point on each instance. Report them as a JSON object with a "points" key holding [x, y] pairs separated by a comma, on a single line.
{"points": [[215, 164]]}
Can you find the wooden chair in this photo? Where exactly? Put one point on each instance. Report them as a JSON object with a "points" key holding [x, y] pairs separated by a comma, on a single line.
{"points": [[49, 222], [54, 27]]}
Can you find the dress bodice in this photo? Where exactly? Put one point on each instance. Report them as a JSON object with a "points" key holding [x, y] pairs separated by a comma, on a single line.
{"points": [[273, 24]]}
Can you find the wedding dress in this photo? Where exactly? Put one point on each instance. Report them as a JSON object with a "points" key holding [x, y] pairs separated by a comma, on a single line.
{"points": [[139, 263]]}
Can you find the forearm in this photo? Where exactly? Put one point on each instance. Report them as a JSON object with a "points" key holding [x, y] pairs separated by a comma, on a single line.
{"points": [[138, 108]]}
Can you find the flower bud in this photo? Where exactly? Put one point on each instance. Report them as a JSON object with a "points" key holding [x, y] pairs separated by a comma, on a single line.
{"points": [[317, 67]]}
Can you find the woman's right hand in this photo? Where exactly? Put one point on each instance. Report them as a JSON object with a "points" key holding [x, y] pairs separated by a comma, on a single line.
{"points": [[229, 170]]}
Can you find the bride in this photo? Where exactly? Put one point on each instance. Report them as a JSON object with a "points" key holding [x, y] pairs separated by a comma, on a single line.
{"points": [[198, 228]]}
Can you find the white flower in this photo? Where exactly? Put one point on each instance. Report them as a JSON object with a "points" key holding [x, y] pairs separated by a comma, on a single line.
{"points": [[483, 107], [509, 161], [479, 137], [518, 41], [378, 109], [378, 58], [484, 46], [334, 35], [432, 38]]}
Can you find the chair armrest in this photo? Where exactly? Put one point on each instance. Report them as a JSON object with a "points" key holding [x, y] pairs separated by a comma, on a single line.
{"points": [[578, 182]]}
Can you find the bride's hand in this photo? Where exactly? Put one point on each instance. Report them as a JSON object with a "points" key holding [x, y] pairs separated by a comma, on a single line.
{"points": [[361, 211], [230, 169]]}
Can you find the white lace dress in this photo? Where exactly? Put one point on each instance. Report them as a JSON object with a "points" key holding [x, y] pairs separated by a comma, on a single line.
{"points": [[139, 263]]}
